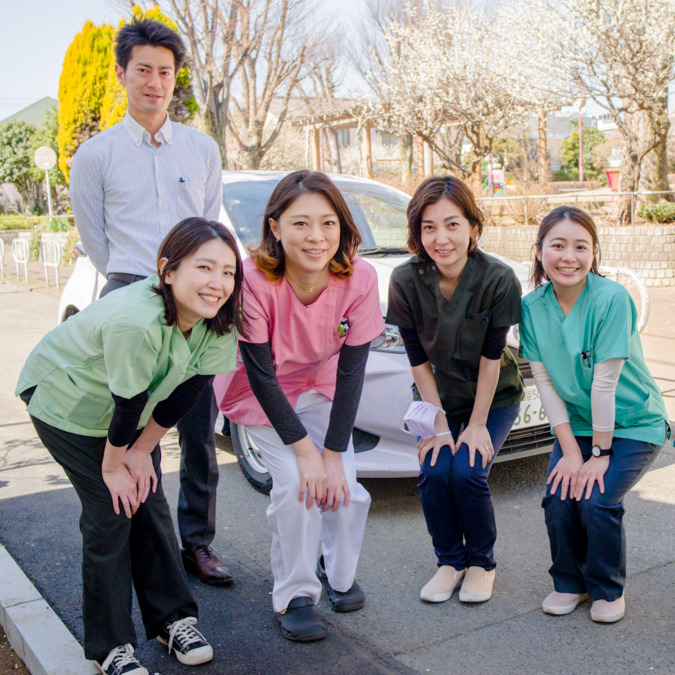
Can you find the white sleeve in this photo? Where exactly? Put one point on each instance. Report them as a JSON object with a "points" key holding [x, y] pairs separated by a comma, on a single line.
{"points": [[87, 198], [213, 195], [554, 406], [603, 393]]}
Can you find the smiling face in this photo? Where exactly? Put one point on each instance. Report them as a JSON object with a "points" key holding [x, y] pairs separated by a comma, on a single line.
{"points": [[309, 232], [202, 282], [446, 235], [567, 254], [149, 78]]}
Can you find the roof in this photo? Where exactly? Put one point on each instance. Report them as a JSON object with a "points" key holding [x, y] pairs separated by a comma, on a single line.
{"points": [[35, 113]]}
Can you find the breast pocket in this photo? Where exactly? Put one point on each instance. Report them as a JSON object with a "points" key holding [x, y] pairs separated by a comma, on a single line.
{"points": [[190, 197], [472, 335]]}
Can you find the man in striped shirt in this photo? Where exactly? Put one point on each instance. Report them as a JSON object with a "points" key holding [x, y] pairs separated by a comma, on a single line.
{"points": [[129, 186]]}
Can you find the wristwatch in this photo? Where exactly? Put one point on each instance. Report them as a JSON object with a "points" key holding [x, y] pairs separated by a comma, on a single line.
{"points": [[597, 451]]}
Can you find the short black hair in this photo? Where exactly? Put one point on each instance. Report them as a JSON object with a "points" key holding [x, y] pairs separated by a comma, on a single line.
{"points": [[142, 32]]}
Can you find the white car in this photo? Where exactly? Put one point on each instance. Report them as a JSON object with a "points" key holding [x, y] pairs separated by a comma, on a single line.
{"points": [[382, 447]]}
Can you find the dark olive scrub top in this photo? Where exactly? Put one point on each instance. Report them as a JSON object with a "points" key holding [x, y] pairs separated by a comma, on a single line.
{"points": [[452, 332]]}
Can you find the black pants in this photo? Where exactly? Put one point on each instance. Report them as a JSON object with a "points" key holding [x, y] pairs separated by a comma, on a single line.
{"points": [[118, 551], [198, 464]]}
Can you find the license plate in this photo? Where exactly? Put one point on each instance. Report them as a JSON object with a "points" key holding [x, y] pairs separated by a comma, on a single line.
{"points": [[531, 411]]}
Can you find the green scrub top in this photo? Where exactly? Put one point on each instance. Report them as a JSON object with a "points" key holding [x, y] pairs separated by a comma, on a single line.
{"points": [[602, 325], [119, 344], [452, 332]]}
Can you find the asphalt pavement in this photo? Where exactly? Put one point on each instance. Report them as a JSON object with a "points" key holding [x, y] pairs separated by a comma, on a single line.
{"points": [[395, 632]]}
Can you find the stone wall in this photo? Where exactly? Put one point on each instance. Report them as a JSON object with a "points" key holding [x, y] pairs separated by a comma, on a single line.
{"points": [[649, 250]]}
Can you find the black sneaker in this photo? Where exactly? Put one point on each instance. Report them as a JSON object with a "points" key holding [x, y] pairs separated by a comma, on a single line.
{"points": [[186, 642], [121, 661]]}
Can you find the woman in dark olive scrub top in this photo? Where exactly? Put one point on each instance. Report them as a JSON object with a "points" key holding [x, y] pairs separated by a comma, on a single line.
{"points": [[454, 306]]}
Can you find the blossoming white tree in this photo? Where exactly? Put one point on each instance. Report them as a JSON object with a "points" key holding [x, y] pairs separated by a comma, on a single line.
{"points": [[619, 53]]}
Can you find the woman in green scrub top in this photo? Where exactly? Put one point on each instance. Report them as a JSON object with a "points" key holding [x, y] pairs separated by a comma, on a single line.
{"points": [[579, 331], [102, 389], [454, 305]]}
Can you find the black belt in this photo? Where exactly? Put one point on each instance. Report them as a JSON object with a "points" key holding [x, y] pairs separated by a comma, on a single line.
{"points": [[123, 278]]}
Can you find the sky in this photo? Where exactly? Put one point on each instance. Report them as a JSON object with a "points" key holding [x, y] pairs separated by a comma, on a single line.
{"points": [[35, 37]]}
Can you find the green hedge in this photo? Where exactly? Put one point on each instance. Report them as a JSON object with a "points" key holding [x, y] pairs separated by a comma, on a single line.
{"points": [[658, 213], [12, 222]]}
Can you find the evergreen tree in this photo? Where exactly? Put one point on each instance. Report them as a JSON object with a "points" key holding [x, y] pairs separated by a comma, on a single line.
{"points": [[16, 160], [81, 90]]}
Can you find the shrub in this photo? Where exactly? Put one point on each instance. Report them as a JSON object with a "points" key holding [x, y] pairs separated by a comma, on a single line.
{"points": [[12, 222], [658, 213]]}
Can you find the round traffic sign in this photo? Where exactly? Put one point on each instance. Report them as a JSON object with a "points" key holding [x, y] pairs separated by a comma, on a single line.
{"points": [[45, 158]]}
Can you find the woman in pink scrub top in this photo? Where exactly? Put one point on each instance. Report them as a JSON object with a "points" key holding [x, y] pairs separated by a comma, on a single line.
{"points": [[312, 308]]}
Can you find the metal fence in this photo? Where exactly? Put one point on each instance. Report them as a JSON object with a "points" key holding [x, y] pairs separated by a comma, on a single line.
{"points": [[521, 209]]}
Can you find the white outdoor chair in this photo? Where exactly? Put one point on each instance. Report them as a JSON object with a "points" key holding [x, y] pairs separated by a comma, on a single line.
{"points": [[51, 257], [20, 253]]}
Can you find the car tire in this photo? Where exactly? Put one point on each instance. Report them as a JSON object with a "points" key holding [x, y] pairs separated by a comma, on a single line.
{"points": [[250, 460]]}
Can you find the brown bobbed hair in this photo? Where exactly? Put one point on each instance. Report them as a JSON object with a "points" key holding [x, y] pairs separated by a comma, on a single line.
{"points": [[179, 243], [268, 255], [429, 192], [537, 274]]}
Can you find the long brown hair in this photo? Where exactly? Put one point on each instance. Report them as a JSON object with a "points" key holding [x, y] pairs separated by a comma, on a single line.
{"points": [[429, 192], [537, 274], [268, 255], [179, 243]]}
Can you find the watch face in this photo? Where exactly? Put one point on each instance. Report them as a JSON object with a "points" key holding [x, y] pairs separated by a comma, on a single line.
{"points": [[595, 451]]}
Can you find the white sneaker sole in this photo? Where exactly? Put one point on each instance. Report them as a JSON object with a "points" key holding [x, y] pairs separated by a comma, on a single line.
{"points": [[561, 610], [608, 618]]}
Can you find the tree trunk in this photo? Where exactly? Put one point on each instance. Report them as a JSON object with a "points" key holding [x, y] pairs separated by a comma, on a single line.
{"points": [[629, 179], [654, 166], [476, 176], [542, 150], [405, 146], [334, 150]]}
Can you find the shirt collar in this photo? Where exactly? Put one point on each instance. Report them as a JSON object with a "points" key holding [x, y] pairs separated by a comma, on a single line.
{"points": [[140, 134]]}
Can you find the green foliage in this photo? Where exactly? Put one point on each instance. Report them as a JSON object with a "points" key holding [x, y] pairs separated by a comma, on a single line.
{"points": [[81, 90], [16, 159], [658, 213], [183, 106], [12, 222], [569, 155]]}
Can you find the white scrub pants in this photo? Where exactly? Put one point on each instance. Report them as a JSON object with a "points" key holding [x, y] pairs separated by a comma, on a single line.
{"points": [[296, 530]]}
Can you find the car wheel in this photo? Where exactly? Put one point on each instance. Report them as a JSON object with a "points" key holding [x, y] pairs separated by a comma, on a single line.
{"points": [[250, 459]]}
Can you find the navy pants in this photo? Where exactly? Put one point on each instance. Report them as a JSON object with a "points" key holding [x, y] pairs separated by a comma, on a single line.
{"points": [[198, 464], [456, 498], [588, 541], [118, 552]]}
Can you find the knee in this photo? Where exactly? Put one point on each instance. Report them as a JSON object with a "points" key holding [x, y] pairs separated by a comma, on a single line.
{"points": [[439, 473], [464, 475]]}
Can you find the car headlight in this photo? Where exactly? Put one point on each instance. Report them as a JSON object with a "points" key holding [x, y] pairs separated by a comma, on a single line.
{"points": [[389, 340]]}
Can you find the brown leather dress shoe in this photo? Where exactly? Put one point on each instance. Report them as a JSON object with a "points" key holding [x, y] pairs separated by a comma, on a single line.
{"points": [[205, 565]]}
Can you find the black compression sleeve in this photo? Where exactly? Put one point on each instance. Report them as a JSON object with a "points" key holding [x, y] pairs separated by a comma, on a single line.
{"points": [[413, 347], [259, 366], [494, 343], [125, 418], [349, 383], [182, 398]]}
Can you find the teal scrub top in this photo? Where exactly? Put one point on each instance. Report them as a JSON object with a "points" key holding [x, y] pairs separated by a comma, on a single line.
{"points": [[119, 344], [602, 325], [452, 332]]}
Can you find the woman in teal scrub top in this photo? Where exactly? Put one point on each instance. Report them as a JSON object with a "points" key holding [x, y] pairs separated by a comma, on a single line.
{"points": [[102, 389], [579, 332]]}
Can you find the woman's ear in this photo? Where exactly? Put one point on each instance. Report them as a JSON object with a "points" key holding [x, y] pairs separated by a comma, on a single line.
{"points": [[160, 266], [274, 227], [537, 252]]}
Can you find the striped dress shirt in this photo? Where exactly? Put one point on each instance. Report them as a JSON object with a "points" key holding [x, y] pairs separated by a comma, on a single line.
{"points": [[127, 194]]}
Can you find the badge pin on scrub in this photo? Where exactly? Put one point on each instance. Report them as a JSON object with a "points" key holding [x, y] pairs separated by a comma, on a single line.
{"points": [[343, 328]]}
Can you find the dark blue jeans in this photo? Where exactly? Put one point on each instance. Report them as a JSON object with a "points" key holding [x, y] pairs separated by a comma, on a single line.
{"points": [[456, 498], [588, 541]]}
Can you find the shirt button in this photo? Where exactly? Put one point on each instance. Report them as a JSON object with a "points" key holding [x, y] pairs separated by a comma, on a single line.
{"points": [[421, 271]]}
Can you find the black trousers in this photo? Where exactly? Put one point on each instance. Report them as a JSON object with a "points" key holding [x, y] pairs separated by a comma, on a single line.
{"points": [[198, 464], [118, 552]]}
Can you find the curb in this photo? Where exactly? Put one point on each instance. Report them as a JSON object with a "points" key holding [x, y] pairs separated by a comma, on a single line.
{"points": [[35, 632]]}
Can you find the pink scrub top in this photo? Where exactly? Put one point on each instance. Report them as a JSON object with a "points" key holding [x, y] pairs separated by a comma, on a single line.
{"points": [[305, 339]]}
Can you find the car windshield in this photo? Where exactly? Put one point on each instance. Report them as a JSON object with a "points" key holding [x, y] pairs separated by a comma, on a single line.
{"points": [[379, 212]]}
